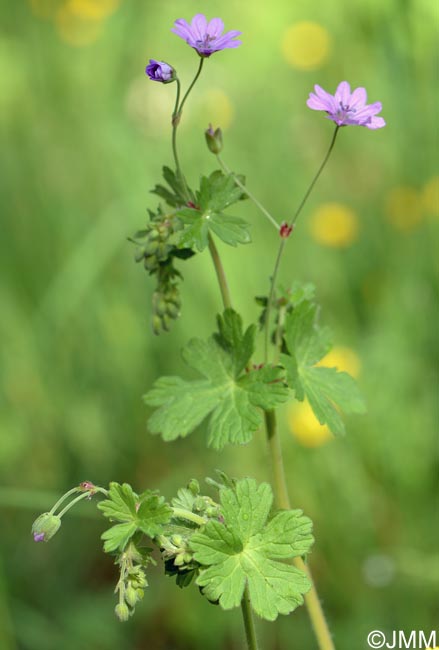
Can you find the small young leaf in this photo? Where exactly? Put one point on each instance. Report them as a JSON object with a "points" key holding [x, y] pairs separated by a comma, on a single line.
{"points": [[147, 513], [175, 196], [327, 390], [228, 394], [245, 549]]}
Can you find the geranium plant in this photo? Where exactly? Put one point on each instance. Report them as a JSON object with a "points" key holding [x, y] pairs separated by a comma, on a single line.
{"points": [[240, 542]]}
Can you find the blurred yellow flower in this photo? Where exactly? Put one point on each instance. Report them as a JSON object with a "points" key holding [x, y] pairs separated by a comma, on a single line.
{"points": [[75, 29], [93, 9], [334, 224], [430, 196], [305, 427], [403, 208], [306, 45], [344, 359], [217, 109]]}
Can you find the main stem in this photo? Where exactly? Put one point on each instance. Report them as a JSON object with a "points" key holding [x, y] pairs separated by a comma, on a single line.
{"points": [[249, 624], [220, 273], [312, 602]]}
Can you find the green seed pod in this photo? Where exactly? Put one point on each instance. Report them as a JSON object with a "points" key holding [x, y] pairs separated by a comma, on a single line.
{"points": [[122, 612], [151, 247], [153, 233], [160, 307], [166, 323], [45, 527], [172, 310], [156, 324], [150, 263], [131, 596]]}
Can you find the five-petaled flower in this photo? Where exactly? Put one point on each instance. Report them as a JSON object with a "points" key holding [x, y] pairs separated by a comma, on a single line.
{"points": [[346, 108], [205, 37], [160, 71]]}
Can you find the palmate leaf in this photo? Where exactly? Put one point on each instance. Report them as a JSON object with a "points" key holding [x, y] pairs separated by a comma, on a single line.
{"points": [[328, 391], [217, 192], [229, 395], [245, 550], [147, 513]]}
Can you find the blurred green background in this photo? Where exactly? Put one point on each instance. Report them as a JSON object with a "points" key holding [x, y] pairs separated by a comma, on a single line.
{"points": [[84, 135]]}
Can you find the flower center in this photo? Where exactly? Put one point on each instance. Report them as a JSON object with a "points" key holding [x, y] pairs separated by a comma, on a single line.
{"points": [[345, 112], [205, 43]]}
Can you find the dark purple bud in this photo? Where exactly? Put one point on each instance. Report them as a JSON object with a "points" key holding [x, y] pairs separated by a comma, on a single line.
{"points": [[160, 71], [214, 139]]}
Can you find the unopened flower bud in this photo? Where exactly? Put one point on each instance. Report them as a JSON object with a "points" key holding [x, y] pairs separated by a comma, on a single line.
{"points": [[193, 486], [45, 527], [122, 612], [160, 71], [214, 139]]}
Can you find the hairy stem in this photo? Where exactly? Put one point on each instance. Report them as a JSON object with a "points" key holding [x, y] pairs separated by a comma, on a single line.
{"points": [[176, 117], [82, 496], [316, 177], [63, 498], [222, 281], [283, 242], [181, 513], [271, 297], [312, 602], [249, 624], [194, 81], [246, 191]]}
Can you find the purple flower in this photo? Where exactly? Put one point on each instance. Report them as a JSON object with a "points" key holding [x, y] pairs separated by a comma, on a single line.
{"points": [[160, 71], [38, 537], [346, 108], [205, 37]]}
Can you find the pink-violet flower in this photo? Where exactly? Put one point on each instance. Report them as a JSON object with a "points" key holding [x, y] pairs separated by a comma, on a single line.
{"points": [[205, 37], [346, 108], [160, 71]]}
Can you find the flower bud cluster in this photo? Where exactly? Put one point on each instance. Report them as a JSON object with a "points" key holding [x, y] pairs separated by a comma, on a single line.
{"points": [[131, 583], [156, 247], [155, 243], [166, 301]]}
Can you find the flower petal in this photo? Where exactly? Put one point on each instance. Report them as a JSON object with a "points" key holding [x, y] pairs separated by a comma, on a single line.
{"points": [[325, 97], [215, 27], [343, 93], [199, 26], [368, 111], [226, 40], [316, 103], [376, 123], [358, 98], [182, 29]]}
